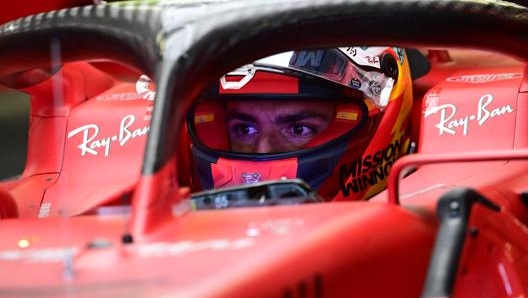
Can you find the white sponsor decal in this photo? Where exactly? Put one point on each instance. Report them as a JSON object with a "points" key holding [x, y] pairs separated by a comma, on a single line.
{"points": [[44, 210], [279, 226], [92, 142], [120, 97], [431, 99], [51, 254], [152, 250], [164, 249], [484, 78], [450, 122]]}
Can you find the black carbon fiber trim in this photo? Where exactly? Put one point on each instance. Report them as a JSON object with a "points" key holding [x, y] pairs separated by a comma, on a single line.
{"points": [[237, 32], [119, 32]]}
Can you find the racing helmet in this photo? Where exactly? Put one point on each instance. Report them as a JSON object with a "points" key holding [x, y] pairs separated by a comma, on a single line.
{"points": [[336, 118]]}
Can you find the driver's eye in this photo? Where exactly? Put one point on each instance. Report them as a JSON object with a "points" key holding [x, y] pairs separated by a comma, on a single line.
{"points": [[301, 130], [243, 130]]}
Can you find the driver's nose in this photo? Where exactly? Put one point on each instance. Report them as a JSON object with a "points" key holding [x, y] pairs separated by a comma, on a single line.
{"points": [[265, 145]]}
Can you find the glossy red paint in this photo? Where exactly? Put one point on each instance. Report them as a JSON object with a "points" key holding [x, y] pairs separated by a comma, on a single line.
{"points": [[87, 224], [96, 127], [180, 252]]}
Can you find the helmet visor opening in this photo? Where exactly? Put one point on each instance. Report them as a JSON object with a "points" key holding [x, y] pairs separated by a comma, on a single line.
{"points": [[261, 126]]}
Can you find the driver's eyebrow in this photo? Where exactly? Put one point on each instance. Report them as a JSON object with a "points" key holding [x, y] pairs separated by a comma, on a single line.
{"points": [[235, 115], [299, 116]]}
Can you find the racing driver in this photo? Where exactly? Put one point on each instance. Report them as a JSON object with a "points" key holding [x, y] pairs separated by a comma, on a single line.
{"points": [[336, 118]]}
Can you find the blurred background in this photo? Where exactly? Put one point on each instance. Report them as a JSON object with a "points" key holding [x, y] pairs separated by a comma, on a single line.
{"points": [[14, 122]]}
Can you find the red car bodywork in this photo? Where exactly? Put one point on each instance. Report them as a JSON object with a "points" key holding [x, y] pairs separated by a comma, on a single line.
{"points": [[68, 221], [100, 124]]}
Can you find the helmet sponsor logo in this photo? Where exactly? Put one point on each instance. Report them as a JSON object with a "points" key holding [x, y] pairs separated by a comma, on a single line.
{"points": [[312, 58], [355, 83], [92, 143], [484, 78], [362, 173], [374, 88], [451, 123], [366, 56], [250, 178]]}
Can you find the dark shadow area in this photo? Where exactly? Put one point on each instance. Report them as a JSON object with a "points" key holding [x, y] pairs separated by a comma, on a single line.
{"points": [[14, 124]]}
